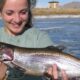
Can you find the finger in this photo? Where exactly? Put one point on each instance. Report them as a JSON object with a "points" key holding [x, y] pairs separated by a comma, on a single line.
{"points": [[55, 72], [3, 69], [50, 71], [0, 62], [64, 75]]}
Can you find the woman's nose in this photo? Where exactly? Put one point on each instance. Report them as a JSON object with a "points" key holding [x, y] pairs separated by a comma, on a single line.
{"points": [[17, 18]]}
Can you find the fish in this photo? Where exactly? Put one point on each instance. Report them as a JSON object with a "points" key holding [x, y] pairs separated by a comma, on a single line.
{"points": [[36, 61]]}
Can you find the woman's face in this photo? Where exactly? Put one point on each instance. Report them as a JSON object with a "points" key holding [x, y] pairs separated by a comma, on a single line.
{"points": [[15, 15]]}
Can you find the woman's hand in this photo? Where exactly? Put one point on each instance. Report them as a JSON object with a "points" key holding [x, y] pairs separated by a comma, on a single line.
{"points": [[54, 73], [3, 69]]}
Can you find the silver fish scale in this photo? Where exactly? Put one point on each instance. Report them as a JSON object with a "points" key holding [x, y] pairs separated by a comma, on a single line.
{"points": [[37, 62]]}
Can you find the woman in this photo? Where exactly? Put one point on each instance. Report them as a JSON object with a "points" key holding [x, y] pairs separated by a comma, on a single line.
{"points": [[18, 30]]}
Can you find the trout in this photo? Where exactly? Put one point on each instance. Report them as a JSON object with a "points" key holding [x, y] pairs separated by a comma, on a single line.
{"points": [[36, 61]]}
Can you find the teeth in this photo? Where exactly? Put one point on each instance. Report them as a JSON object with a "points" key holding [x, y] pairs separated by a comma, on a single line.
{"points": [[15, 25]]}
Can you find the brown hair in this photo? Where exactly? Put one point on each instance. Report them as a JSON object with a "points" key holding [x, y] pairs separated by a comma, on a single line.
{"points": [[29, 23], [2, 2]]}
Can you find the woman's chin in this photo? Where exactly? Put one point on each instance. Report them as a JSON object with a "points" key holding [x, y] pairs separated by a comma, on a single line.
{"points": [[16, 32]]}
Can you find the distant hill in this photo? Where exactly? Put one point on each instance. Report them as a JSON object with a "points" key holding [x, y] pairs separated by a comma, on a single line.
{"points": [[71, 5]]}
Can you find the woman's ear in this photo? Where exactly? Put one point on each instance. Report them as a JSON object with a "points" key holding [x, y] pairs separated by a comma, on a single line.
{"points": [[0, 14]]}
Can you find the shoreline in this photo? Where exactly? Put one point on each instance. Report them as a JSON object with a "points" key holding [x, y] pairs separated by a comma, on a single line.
{"points": [[57, 16]]}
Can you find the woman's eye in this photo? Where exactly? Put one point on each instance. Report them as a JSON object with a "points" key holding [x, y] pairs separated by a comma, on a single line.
{"points": [[9, 13], [24, 11]]}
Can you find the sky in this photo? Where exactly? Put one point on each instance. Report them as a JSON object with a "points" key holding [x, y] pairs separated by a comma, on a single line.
{"points": [[44, 3]]}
